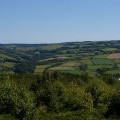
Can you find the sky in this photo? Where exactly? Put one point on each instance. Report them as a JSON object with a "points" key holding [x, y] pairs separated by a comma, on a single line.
{"points": [[49, 21]]}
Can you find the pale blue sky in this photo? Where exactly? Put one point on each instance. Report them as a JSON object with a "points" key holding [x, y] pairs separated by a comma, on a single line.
{"points": [[45, 21]]}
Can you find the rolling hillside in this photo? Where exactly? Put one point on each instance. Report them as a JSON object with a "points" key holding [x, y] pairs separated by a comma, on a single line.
{"points": [[71, 57]]}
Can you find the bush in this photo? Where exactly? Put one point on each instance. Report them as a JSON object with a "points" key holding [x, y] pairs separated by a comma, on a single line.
{"points": [[114, 107], [75, 98], [7, 117], [14, 100], [58, 97], [101, 94], [50, 95], [68, 115]]}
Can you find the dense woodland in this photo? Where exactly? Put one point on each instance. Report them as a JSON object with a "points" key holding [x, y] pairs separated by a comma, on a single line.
{"points": [[59, 96], [66, 81]]}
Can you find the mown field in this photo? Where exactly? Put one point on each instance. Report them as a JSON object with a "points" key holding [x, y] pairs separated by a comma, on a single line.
{"points": [[92, 64]]}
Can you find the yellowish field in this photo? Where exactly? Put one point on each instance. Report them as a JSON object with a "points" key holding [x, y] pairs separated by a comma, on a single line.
{"points": [[51, 47], [71, 64], [8, 64], [62, 68], [40, 68], [68, 66], [114, 56], [57, 58], [44, 60]]}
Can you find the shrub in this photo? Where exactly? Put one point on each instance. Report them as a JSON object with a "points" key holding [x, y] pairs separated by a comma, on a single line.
{"points": [[68, 115], [7, 117], [114, 107], [75, 98], [101, 94], [14, 100], [58, 97], [50, 95]]}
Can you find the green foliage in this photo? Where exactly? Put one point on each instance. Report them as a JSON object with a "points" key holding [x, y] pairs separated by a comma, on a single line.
{"points": [[51, 95], [101, 94], [114, 107], [7, 117], [75, 98], [25, 67], [77, 115], [15, 100], [59, 96]]}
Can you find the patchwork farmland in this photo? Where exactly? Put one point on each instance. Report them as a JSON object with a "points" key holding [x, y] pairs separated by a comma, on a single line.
{"points": [[71, 57]]}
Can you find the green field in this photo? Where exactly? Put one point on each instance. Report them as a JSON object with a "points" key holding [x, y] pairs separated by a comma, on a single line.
{"points": [[114, 71], [75, 56], [5, 56], [102, 61], [101, 56], [86, 61], [110, 49]]}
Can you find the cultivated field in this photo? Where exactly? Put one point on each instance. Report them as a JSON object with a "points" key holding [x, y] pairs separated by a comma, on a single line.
{"points": [[74, 57], [114, 56]]}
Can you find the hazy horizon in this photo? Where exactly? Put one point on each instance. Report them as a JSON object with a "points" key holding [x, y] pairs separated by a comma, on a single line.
{"points": [[58, 42], [52, 21]]}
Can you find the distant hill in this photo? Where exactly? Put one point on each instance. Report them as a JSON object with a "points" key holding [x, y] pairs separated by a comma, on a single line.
{"points": [[70, 57]]}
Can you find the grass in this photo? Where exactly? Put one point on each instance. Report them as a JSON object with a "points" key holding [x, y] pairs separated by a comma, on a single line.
{"points": [[54, 58], [48, 59], [102, 61], [118, 65], [71, 64], [117, 71], [76, 72], [6, 117], [67, 66], [5, 56], [110, 49], [86, 61], [117, 61], [70, 56], [40, 68], [101, 56], [62, 68], [8, 64], [51, 47], [94, 67]]}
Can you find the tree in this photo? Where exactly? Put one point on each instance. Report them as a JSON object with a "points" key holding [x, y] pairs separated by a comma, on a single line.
{"points": [[114, 107], [14, 100]]}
